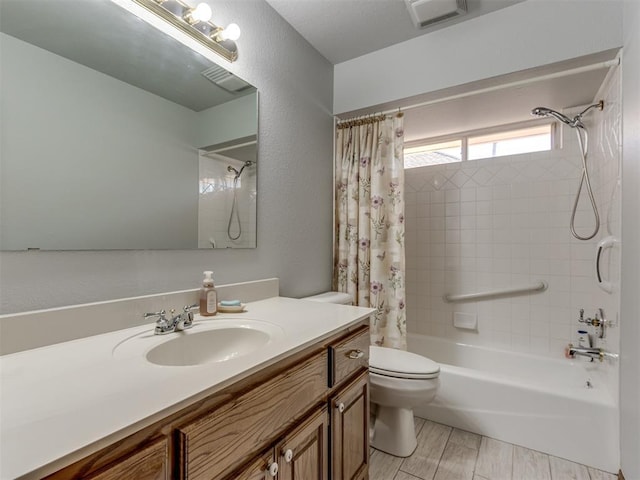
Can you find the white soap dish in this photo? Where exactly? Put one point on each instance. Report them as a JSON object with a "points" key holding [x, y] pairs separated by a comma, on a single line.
{"points": [[231, 308]]}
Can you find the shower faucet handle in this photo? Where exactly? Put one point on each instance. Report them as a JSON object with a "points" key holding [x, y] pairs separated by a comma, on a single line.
{"points": [[595, 321], [599, 321]]}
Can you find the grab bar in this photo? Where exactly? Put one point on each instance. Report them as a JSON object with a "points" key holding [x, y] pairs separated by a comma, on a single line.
{"points": [[541, 286], [606, 242]]}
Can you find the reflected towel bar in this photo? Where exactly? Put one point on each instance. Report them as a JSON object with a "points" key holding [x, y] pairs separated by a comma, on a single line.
{"points": [[541, 286]]}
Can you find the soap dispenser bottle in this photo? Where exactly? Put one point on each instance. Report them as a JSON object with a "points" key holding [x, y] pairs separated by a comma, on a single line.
{"points": [[208, 296]]}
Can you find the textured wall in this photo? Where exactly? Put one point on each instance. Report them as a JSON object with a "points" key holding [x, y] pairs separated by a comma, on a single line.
{"points": [[294, 181]]}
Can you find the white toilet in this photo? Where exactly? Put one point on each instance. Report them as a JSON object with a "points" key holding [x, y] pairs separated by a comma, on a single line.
{"points": [[399, 381]]}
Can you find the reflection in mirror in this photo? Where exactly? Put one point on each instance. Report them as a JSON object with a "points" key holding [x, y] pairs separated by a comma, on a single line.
{"points": [[227, 195], [116, 136]]}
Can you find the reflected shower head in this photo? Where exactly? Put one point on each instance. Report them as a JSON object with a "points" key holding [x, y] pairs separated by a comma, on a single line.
{"points": [[230, 169]]}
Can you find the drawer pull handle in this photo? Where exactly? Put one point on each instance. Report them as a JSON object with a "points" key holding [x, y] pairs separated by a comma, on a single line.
{"points": [[288, 455], [355, 354], [340, 407], [273, 469]]}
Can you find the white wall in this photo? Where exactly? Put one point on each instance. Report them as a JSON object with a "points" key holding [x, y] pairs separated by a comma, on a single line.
{"points": [[522, 36], [630, 311], [294, 181], [232, 120]]}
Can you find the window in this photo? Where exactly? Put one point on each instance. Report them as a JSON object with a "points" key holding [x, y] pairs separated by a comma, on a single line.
{"points": [[478, 145], [512, 142], [433, 154]]}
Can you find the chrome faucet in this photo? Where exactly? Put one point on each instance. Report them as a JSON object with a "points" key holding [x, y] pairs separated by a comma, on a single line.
{"points": [[176, 323], [593, 353], [183, 320], [163, 324]]}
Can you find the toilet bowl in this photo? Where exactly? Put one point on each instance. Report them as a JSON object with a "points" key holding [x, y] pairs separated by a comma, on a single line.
{"points": [[399, 381]]}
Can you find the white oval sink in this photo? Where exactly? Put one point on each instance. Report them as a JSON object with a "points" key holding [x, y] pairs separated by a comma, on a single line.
{"points": [[207, 346], [205, 343]]}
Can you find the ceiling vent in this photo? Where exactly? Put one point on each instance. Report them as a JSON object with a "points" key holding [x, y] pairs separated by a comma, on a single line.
{"points": [[224, 79], [428, 12]]}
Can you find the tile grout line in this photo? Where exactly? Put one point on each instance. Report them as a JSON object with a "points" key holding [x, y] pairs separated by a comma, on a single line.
{"points": [[476, 462], [513, 455], [435, 473]]}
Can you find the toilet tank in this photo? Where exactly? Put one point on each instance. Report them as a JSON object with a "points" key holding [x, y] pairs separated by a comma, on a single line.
{"points": [[332, 297]]}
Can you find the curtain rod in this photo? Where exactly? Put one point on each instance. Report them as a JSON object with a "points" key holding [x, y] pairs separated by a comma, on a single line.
{"points": [[550, 76]]}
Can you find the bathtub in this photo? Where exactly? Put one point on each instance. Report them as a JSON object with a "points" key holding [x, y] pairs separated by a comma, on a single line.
{"points": [[536, 402]]}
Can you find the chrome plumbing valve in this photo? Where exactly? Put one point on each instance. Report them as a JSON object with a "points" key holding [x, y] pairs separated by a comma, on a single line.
{"points": [[598, 321]]}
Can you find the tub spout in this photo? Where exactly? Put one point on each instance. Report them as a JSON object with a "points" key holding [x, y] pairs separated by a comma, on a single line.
{"points": [[593, 353]]}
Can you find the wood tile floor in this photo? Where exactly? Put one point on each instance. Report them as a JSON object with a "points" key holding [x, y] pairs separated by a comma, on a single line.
{"points": [[446, 453]]}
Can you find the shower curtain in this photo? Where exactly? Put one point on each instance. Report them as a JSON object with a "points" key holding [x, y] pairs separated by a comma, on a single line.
{"points": [[369, 257]]}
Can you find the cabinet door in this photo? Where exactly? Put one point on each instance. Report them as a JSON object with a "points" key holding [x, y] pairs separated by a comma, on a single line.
{"points": [[350, 431], [302, 455], [260, 469], [149, 463], [221, 441]]}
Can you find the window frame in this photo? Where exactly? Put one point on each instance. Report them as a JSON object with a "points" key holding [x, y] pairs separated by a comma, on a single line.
{"points": [[463, 137]]}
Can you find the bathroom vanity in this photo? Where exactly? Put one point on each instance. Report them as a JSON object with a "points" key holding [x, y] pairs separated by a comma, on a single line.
{"points": [[297, 404]]}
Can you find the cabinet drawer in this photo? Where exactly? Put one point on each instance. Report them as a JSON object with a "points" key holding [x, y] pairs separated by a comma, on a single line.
{"points": [[150, 463], [215, 444], [350, 355]]}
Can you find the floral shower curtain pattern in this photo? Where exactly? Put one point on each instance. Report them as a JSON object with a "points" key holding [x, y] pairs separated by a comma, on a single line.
{"points": [[369, 257]]}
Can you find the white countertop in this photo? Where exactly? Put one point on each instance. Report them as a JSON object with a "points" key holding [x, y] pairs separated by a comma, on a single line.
{"points": [[63, 402]]}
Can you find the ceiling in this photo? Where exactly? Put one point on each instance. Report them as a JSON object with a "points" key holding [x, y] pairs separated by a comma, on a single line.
{"points": [[344, 29]]}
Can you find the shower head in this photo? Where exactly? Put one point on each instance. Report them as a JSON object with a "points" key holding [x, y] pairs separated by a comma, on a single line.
{"points": [[547, 112], [572, 122]]}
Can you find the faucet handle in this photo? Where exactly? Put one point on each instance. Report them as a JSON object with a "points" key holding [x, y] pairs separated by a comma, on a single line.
{"points": [[188, 314], [164, 325], [159, 314]]}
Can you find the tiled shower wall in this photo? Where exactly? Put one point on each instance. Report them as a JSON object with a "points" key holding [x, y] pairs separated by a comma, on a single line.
{"points": [[215, 201], [504, 222]]}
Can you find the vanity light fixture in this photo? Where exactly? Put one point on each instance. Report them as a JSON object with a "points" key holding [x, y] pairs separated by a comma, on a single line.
{"points": [[195, 22]]}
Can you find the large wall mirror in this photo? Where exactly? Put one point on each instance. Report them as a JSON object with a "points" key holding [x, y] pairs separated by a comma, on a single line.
{"points": [[116, 136]]}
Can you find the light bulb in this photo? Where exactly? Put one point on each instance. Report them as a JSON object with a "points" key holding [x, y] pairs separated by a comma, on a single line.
{"points": [[202, 13], [232, 32]]}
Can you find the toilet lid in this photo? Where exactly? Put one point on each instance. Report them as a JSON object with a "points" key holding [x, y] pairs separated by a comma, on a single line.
{"points": [[401, 364]]}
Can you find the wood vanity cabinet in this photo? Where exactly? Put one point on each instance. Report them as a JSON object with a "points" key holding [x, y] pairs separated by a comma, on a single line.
{"points": [[304, 454], [303, 418], [301, 455], [149, 463], [350, 430]]}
